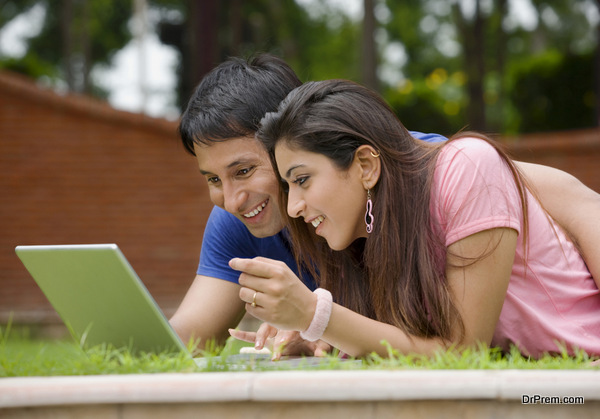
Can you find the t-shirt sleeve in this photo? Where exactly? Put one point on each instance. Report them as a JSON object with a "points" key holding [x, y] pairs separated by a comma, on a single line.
{"points": [[428, 137], [473, 190], [222, 241]]}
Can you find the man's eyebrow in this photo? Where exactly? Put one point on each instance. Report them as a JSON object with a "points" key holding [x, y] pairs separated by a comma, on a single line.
{"points": [[291, 169], [238, 162], [230, 165]]}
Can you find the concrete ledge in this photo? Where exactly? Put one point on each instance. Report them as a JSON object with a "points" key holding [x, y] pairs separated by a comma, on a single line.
{"points": [[362, 394]]}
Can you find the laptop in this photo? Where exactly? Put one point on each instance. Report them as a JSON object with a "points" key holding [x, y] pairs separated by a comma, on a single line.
{"points": [[99, 296], [102, 300]]}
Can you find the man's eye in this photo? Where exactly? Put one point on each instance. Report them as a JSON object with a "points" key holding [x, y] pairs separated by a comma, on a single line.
{"points": [[214, 179], [245, 171]]}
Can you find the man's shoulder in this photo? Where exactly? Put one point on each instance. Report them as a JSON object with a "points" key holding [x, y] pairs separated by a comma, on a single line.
{"points": [[428, 137], [227, 229], [225, 223]]}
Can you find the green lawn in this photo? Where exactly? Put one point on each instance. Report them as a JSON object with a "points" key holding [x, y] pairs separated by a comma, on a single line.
{"points": [[22, 355]]}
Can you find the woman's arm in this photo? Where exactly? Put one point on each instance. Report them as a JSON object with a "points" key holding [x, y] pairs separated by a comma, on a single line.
{"points": [[478, 289], [573, 205], [478, 271]]}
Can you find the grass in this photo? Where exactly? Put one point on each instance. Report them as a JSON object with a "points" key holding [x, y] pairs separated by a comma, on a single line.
{"points": [[24, 355], [481, 358]]}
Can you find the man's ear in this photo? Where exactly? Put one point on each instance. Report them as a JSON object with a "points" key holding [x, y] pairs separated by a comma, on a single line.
{"points": [[369, 163]]}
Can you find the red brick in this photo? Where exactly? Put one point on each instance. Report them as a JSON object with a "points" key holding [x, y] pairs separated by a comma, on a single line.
{"points": [[74, 170]]}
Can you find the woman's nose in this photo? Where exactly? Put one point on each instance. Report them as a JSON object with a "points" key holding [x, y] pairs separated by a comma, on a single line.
{"points": [[295, 206]]}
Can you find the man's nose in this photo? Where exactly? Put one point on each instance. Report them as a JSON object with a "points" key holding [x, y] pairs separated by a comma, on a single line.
{"points": [[234, 198]]}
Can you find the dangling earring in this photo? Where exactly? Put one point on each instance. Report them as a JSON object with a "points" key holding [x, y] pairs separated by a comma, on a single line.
{"points": [[368, 214]]}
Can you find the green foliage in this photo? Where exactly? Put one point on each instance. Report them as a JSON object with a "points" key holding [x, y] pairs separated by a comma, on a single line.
{"points": [[552, 91], [318, 47], [537, 78], [435, 103], [562, 28], [421, 46], [337, 58], [32, 66]]}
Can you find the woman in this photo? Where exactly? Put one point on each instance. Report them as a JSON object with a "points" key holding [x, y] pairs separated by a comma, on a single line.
{"points": [[426, 246]]}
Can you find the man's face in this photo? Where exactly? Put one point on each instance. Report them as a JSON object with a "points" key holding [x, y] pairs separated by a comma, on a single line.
{"points": [[242, 182]]}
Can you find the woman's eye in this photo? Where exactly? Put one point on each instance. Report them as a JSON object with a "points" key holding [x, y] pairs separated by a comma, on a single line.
{"points": [[300, 180]]}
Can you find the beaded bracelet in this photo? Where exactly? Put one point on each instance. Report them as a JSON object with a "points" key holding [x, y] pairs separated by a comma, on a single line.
{"points": [[321, 318]]}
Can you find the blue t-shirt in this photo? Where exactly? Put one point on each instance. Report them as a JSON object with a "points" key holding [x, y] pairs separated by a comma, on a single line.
{"points": [[226, 237]]}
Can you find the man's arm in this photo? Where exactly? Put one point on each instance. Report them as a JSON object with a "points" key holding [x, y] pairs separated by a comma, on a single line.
{"points": [[210, 307], [573, 205]]}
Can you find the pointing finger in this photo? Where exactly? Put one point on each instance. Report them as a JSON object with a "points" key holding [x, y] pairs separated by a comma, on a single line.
{"points": [[262, 267]]}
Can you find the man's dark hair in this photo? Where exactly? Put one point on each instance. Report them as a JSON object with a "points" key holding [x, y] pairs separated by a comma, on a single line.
{"points": [[231, 100]]}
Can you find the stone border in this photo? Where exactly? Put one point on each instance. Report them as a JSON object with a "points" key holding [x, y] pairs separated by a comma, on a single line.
{"points": [[299, 386]]}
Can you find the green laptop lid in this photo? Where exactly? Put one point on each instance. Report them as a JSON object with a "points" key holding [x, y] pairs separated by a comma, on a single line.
{"points": [[99, 296]]}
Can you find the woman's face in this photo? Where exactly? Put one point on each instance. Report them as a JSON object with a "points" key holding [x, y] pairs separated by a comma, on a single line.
{"points": [[330, 199]]}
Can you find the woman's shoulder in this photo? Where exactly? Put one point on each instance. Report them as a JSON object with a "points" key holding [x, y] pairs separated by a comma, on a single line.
{"points": [[468, 150], [471, 145]]}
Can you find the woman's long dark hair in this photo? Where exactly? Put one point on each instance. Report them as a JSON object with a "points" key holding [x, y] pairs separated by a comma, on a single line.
{"points": [[397, 275]]}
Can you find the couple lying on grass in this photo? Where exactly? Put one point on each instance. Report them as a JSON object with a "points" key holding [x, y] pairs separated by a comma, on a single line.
{"points": [[339, 228]]}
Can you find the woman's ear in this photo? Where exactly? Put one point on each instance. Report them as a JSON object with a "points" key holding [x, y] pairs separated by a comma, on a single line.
{"points": [[369, 163]]}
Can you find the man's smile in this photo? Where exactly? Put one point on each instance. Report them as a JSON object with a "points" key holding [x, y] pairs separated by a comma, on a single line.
{"points": [[256, 210]]}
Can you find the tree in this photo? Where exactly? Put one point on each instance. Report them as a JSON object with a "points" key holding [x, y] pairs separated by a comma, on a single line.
{"points": [[597, 69], [455, 68], [369, 51], [472, 88], [472, 32], [316, 46], [75, 36]]}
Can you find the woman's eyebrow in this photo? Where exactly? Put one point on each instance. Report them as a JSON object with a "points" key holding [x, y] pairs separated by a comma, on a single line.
{"points": [[291, 169]]}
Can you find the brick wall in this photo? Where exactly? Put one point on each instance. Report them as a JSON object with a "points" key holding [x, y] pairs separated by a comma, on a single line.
{"points": [[576, 152], [74, 170]]}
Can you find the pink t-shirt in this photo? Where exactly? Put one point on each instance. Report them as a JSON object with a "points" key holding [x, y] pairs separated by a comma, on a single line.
{"points": [[552, 299]]}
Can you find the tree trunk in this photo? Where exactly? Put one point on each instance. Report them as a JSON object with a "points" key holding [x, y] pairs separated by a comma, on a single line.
{"points": [[369, 50], [204, 20], [501, 63], [86, 49], [473, 46], [67, 46], [235, 27], [76, 50], [597, 70]]}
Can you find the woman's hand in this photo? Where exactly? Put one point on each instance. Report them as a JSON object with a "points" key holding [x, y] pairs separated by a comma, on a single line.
{"points": [[274, 294], [281, 342]]}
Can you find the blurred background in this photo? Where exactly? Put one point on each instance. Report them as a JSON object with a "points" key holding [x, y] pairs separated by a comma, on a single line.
{"points": [[506, 66], [91, 92]]}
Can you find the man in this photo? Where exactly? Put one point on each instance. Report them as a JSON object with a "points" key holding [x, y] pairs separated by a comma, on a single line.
{"points": [[218, 127]]}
